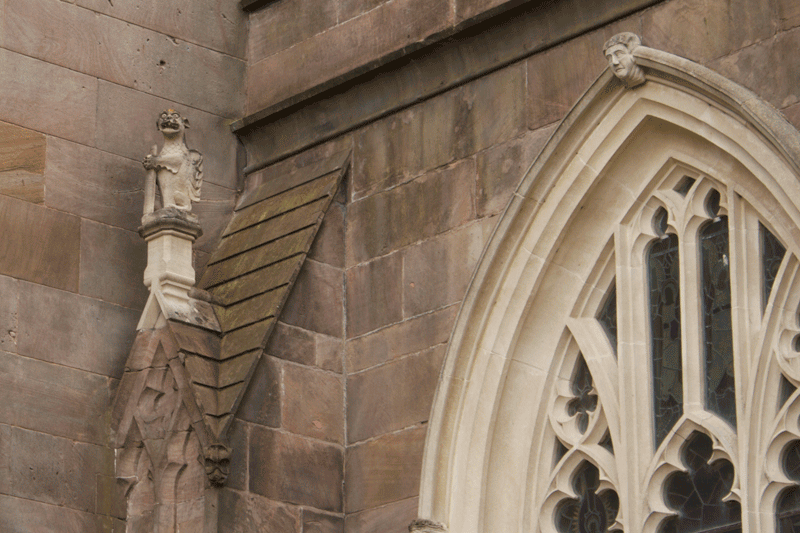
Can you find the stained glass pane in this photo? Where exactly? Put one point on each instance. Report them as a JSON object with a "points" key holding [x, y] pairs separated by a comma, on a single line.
{"points": [[772, 252], [788, 504], [697, 494], [590, 512], [717, 337], [665, 331], [608, 317]]}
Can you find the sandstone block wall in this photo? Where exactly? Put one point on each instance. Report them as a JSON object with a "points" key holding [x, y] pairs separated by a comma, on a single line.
{"points": [[83, 82], [429, 179]]}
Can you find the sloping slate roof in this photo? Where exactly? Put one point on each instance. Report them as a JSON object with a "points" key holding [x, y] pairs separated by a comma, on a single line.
{"points": [[249, 277]]}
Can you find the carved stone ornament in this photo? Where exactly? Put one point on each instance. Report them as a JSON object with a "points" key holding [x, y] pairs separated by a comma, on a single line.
{"points": [[423, 525], [618, 51], [177, 170]]}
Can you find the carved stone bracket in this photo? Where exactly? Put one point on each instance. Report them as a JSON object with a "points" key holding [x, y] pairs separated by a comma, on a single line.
{"points": [[423, 525]]}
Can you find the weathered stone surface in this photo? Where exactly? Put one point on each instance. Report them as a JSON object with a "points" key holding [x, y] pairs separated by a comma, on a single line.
{"points": [[55, 259], [113, 261], [391, 518], [123, 53], [22, 162], [54, 399], [31, 99], [6, 461], [436, 272], [754, 67], [56, 470], [452, 126], [410, 336], [466, 9], [21, 515], [383, 30], [306, 347], [502, 167], [312, 403], [243, 513], [792, 114], [110, 495], [94, 184], [328, 245], [73, 330], [314, 522], [788, 14], [427, 206], [261, 403], [285, 24], [293, 469], [702, 31], [216, 25], [396, 457], [238, 438], [214, 210], [316, 300], [210, 134], [393, 396], [9, 305], [374, 295]]}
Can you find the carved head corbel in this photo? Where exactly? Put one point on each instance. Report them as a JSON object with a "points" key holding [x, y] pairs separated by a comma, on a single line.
{"points": [[618, 51]]}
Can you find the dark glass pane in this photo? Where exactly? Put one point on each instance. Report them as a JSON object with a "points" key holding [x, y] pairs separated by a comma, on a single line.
{"points": [[608, 317], [684, 186], [717, 337], [560, 452], [787, 507], [772, 252], [590, 512], [665, 330], [585, 401], [697, 494], [787, 389], [606, 442]]}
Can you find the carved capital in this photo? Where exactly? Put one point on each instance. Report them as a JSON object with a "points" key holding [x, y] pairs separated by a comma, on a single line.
{"points": [[618, 51], [423, 525]]}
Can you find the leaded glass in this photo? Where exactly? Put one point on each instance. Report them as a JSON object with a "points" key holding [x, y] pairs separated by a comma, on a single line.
{"points": [[772, 252], [720, 394], [697, 494], [787, 508], [665, 331], [585, 400], [608, 317], [590, 512], [786, 391]]}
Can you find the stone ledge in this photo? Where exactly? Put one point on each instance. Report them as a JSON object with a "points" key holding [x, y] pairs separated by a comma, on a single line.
{"points": [[414, 73], [253, 5]]}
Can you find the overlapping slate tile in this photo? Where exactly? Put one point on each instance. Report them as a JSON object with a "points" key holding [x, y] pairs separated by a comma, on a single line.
{"points": [[249, 277]]}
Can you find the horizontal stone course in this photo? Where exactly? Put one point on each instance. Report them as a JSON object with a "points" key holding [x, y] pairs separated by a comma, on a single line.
{"points": [[55, 259], [374, 295], [386, 29], [296, 470], [316, 300], [313, 403], [113, 261], [244, 512], [436, 272], [429, 205], [391, 518], [209, 23], [55, 470], [30, 98], [122, 53], [393, 396], [261, 403], [73, 330], [306, 347], [285, 24], [22, 162], [21, 515], [54, 399], [315, 522], [384, 470]]}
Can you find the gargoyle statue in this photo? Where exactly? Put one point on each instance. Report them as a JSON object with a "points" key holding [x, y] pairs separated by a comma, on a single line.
{"points": [[178, 170]]}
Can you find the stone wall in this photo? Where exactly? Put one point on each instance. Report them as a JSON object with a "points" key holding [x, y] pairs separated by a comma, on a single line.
{"points": [[83, 82], [347, 391]]}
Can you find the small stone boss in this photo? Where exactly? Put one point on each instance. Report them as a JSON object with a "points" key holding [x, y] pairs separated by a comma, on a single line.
{"points": [[619, 53], [177, 170]]}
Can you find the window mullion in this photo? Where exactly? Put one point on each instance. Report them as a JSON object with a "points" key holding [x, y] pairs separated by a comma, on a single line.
{"points": [[691, 318]]}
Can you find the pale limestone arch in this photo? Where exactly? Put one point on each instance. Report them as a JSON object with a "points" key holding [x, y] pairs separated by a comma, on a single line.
{"points": [[578, 220]]}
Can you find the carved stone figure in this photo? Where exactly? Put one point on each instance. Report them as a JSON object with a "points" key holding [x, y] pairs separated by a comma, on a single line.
{"points": [[178, 170], [619, 53]]}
